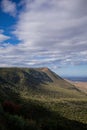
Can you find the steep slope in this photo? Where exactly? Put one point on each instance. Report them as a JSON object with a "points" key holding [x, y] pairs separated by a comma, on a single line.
{"points": [[40, 82], [38, 99]]}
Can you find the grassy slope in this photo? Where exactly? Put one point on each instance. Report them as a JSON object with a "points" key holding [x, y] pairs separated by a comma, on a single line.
{"points": [[43, 88], [40, 82]]}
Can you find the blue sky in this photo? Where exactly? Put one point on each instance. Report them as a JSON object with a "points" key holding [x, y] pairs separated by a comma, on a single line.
{"points": [[44, 33]]}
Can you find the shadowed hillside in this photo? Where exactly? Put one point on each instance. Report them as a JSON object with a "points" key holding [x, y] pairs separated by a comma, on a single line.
{"points": [[39, 99]]}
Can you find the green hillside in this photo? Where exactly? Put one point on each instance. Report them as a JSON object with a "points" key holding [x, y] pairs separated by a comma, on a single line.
{"points": [[39, 99], [40, 82]]}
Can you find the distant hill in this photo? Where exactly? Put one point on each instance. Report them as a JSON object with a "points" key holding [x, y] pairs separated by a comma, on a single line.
{"points": [[37, 81]]}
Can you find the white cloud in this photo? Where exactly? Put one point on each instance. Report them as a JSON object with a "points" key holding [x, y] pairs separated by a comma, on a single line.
{"points": [[52, 32], [3, 37], [9, 7]]}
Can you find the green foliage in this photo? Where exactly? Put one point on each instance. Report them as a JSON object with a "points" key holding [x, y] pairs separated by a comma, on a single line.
{"points": [[14, 122], [34, 99], [35, 115]]}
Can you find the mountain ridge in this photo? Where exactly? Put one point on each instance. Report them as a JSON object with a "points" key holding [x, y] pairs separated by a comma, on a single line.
{"points": [[38, 81]]}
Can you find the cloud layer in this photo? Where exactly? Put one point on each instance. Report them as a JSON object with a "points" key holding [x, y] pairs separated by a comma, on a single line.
{"points": [[9, 7], [52, 33]]}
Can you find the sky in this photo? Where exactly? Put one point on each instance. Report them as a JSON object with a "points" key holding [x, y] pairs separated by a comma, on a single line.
{"points": [[44, 33]]}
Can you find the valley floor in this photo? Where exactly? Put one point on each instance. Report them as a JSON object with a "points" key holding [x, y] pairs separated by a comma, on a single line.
{"points": [[81, 85]]}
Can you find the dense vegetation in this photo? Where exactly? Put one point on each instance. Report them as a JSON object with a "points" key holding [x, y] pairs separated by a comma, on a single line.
{"points": [[38, 99]]}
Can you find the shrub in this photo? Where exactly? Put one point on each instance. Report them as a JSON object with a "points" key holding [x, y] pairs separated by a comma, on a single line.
{"points": [[11, 107], [15, 122]]}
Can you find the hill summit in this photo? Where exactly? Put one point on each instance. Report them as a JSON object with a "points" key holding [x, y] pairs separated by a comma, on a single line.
{"points": [[40, 82]]}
